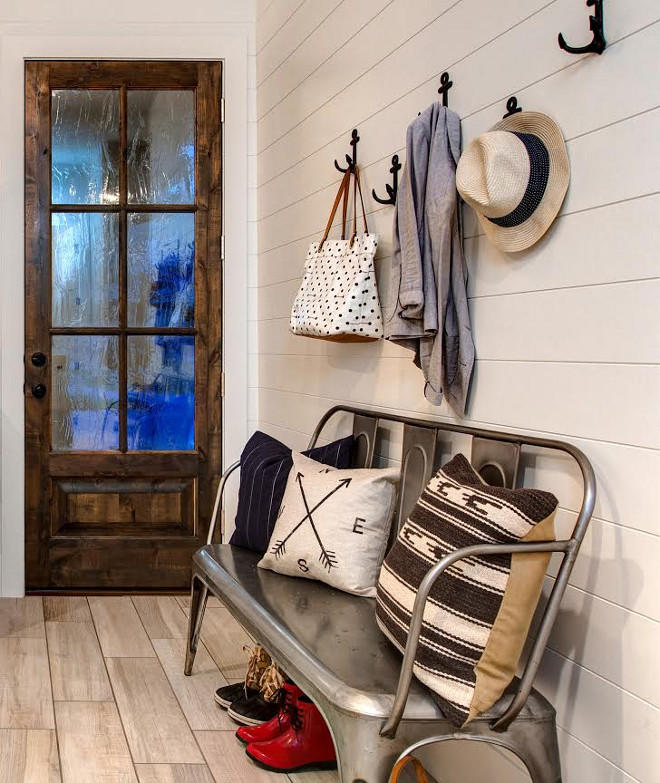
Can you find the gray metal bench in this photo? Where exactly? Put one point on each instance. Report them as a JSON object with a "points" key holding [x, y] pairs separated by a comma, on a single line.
{"points": [[329, 643]]}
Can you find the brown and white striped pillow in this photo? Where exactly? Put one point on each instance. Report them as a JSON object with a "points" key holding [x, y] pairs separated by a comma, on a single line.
{"points": [[479, 612]]}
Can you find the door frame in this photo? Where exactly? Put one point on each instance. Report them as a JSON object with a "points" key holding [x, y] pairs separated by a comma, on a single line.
{"points": [[114, 45], [81, 560]]}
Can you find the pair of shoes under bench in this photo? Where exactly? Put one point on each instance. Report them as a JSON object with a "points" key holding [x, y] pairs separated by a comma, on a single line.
{"points": [[258, 698], [230, 693], [245, 705]]}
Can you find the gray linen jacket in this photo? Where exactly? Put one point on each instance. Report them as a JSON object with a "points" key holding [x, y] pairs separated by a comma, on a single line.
{"points": [[426, 309]]}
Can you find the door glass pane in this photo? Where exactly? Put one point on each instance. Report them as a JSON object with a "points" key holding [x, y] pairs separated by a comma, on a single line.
{"points": [[85, 146], [85, 258], [85, 393], [161, 393], [161, 254], [161, 146]]}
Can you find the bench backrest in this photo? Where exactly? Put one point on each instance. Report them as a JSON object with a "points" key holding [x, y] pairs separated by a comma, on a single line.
{"points": [[426, 444]]}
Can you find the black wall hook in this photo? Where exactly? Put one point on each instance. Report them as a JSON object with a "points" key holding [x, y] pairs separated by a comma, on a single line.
{"points": [[394, 187], [445, 86], [512, 107], [596, 23], [350, 159]]}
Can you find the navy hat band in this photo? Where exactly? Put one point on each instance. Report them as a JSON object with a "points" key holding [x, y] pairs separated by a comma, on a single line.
{"points": [[539, 171]]}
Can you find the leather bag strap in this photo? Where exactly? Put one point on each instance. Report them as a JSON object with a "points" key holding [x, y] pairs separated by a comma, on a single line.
{"points": [[420, 772], [344, 209], [343, 191], [357, 188]]}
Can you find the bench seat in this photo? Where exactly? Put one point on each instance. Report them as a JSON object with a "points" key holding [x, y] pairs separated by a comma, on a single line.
{"points": [[326, 639]]}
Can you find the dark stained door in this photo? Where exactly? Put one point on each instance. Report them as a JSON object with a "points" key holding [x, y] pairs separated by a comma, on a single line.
{"points": [[122, 321]]}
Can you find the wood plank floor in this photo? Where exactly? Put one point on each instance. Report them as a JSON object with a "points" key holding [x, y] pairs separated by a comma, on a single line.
{"points": [[93, 689]]}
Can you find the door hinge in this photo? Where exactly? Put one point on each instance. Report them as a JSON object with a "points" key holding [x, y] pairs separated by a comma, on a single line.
{"points": [[222, 384], [222, 247], [222, 109]]}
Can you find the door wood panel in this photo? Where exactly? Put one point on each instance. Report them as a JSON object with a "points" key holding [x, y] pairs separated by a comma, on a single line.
{"points": [[124, 507]]}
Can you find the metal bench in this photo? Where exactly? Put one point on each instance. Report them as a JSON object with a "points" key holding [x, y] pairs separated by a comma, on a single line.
{"points": [[328, 641]]}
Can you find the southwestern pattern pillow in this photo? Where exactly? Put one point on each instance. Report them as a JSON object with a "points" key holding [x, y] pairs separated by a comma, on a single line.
{"points": [[479, 612], [265, 467]]}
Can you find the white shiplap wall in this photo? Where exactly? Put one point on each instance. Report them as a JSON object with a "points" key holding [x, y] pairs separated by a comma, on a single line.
{"points": [[566, 333]]}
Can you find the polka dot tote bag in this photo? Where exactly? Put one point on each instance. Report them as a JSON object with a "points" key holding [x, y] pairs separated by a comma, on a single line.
{"points": [[338, 296]]}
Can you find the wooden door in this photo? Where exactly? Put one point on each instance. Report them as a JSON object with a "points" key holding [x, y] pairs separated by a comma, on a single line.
{"points": [[122, 321]]}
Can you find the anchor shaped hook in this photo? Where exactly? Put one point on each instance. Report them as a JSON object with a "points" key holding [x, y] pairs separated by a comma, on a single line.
{"points": [[351, 160], [598, 42], [445, 86], [393, 188]]}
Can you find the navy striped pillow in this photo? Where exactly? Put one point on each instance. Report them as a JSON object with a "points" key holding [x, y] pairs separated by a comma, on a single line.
{"points": [[265, 466]]}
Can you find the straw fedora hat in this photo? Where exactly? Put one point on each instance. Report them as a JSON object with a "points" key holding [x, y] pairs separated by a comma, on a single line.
{"points": [[515, 178]]}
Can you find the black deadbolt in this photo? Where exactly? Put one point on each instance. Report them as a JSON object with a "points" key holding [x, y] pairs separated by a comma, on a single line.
{"points": [[38, 359], [39, 390]]}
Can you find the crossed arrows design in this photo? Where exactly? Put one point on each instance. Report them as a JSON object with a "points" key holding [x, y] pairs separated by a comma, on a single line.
{"points": [[327, 557]]}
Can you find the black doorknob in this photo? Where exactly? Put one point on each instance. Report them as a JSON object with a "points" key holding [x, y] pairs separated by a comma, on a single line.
{"points": [[39, 390], [38, 359]]}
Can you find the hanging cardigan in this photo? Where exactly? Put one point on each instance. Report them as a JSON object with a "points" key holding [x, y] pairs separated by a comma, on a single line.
{"points": [[427, 308]]}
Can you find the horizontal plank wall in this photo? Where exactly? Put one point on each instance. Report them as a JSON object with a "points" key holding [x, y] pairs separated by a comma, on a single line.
{"points": [[566, 333]]}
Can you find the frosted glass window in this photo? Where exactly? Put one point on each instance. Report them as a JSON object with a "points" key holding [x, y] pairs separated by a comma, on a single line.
{"points": [[85, 146], [85, 393], [114, 230], [161, 393], [161, 259], [161, 146], [85, 269]]}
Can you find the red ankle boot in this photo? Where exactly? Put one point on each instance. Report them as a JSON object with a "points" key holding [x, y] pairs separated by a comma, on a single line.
{"points": [[277, 725], [307, 742]]}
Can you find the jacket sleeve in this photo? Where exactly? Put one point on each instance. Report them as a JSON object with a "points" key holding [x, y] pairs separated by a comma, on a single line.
{"points": [[410, 224]]}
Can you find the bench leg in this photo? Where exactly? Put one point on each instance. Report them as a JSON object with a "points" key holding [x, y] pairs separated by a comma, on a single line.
{"points": [[533, 742], [537, 747], [198, 597], [363, 755], [363, 763], [366, 757]]}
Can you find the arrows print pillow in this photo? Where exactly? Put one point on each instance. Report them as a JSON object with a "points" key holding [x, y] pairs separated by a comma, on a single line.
{"points": [[333, 525]]}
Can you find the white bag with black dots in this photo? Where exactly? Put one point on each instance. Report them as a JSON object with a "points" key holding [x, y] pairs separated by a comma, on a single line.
{"points": [[338, 297]]}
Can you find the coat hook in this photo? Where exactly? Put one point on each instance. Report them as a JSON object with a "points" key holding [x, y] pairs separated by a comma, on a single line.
{"points": [[596, 22], [445, 86], [351, 160], [512, 107], [393, 188]]}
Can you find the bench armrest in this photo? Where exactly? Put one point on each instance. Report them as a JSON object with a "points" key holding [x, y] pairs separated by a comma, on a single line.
{"points": [[391, 725], [218, 499]]}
